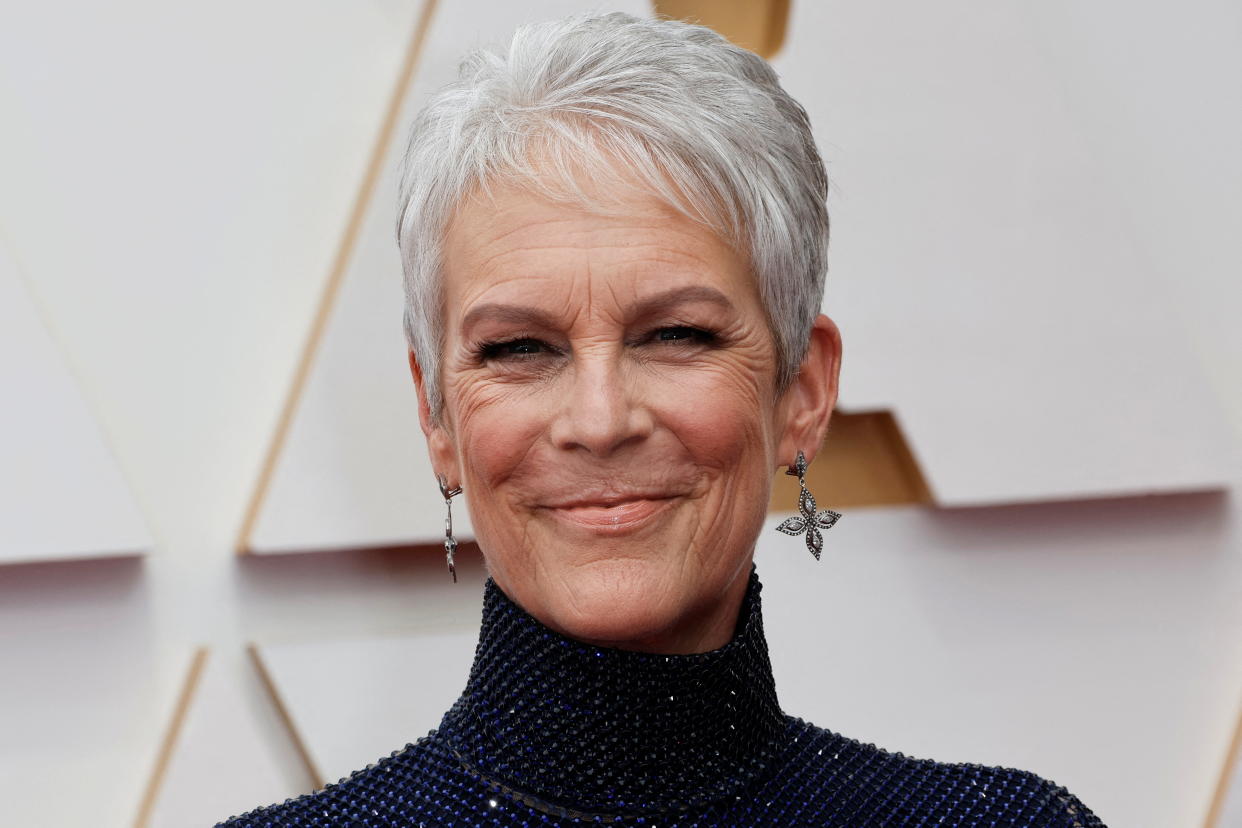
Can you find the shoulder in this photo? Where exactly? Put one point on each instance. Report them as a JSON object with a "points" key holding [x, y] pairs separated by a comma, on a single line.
{"points": [[891, 788], [356, 798]]}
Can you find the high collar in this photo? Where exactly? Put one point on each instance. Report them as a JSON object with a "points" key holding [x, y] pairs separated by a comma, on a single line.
{"points": [[587, 731]]}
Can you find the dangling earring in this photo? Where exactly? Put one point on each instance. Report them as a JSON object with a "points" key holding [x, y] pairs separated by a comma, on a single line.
{"points": [[450, 542], [810, 521]]}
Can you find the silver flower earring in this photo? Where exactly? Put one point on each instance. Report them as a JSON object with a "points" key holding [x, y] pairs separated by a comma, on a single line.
{"points": [[450, 542], [809, 521]]}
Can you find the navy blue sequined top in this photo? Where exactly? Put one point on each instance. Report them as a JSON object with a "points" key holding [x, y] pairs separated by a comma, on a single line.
{"points": [[553, 732]]}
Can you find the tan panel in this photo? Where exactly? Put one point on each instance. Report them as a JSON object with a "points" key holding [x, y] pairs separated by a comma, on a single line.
{"points": [[865, 461], [758, 25]]}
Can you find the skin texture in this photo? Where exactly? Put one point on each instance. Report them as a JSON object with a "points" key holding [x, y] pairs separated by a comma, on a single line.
{"points": [[610, 411]]}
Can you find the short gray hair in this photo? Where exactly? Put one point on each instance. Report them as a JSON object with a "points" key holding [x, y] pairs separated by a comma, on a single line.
{"points": [[704, 123]]}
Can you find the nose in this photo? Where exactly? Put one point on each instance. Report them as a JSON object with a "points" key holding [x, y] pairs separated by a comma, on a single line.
{"points": [[604, 410]]}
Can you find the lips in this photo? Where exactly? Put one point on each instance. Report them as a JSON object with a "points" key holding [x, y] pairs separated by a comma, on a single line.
{"points": [[611, 515]]}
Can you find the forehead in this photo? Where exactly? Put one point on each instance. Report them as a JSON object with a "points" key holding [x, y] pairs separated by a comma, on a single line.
{"points": [[517, 242]]}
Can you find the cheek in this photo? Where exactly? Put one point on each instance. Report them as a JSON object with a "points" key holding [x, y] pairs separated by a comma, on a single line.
{"points": [[723, 423], [496, 433], [723, 420]]}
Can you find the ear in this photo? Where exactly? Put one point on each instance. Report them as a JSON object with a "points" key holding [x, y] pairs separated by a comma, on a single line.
{"points": [[440, 444], [807, 404]]}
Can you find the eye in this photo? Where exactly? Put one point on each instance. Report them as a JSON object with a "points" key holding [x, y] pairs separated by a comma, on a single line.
{"points": [[523, 348], [684, 333]]}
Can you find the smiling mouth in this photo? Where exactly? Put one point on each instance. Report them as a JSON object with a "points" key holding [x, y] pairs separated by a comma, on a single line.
{"points": [[612, 518]]}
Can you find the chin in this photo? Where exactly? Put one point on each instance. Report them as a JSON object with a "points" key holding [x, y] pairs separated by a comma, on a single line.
{"points": [[618, 602]]}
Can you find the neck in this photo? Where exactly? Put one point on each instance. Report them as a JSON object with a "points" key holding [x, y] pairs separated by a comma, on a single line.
{"points": [[583, 730]]}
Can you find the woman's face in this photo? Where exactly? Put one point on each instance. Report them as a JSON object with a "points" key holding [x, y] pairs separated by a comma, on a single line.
{"points": [[610, 412]]}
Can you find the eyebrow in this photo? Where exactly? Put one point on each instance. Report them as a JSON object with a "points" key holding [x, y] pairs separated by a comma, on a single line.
{"points": [[528, 315]]}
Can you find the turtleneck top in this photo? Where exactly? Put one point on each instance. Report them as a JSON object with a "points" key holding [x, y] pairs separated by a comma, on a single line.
{"points": [[550, 731]]}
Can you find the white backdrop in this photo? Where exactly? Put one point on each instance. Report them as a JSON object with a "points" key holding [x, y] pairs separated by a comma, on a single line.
{"points": [[181, 312]]}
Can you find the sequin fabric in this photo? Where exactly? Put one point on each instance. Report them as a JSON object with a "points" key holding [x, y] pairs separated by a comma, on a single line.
{"points": [[552, 732]]}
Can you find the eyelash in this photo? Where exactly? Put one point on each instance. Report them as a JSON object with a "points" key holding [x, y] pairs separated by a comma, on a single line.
{"points": [[496, 350]]}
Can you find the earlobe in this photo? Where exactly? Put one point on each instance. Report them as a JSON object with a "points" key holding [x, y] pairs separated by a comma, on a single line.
{"points": [[811, 398]]}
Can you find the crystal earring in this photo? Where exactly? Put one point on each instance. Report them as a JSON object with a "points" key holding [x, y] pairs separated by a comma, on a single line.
{"points": [[450, 542], [809, 521]]}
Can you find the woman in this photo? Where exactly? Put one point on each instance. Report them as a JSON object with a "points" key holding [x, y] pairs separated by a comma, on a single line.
{"points": [[614, 239]]}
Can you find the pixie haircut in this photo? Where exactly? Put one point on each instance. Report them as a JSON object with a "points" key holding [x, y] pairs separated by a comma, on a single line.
{"points": [[702, 124]]}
